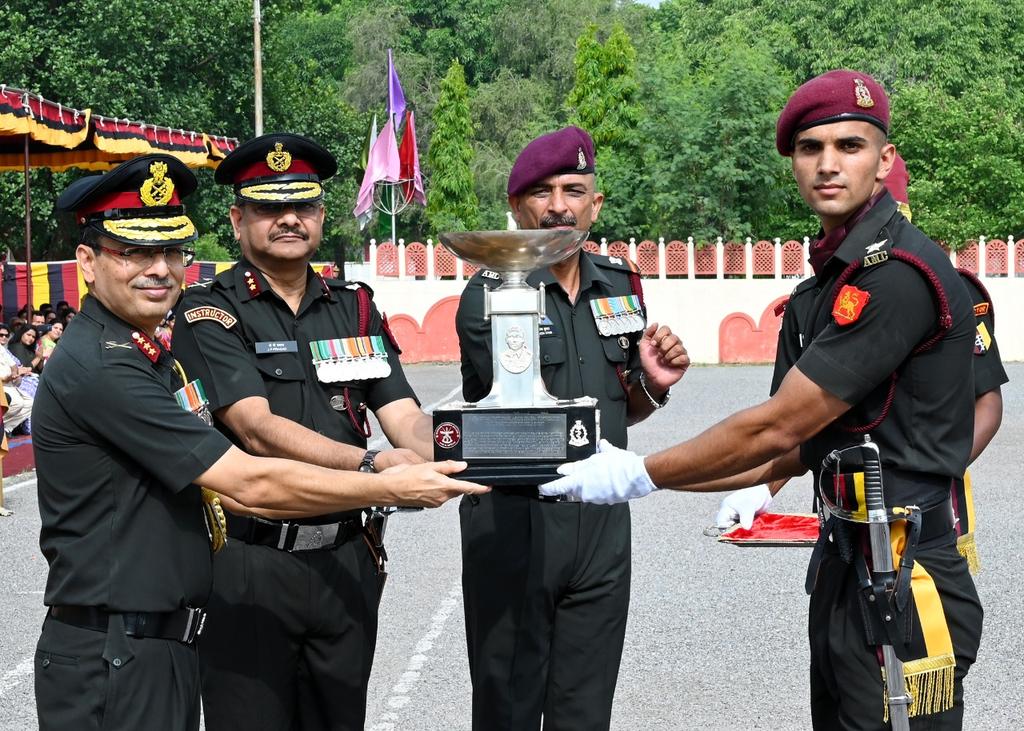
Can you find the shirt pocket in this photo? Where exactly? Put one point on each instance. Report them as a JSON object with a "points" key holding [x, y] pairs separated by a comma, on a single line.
{"points": [[284, 381], [552, 355], [617, 357]]}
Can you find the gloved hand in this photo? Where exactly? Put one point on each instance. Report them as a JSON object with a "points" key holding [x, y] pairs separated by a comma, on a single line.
{"points": [[743, 506], [612, 475]]}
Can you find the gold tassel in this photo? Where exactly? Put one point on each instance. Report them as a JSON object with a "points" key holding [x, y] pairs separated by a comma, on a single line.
{"points": [[968, 548], [929, 683]]}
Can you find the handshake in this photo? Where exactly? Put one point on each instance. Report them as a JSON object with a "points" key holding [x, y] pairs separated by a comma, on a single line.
{"points": [[616, 475]]}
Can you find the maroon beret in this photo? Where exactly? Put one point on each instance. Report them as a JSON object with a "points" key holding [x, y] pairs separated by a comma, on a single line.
{"points": [[569, 150], [836, 96], [898, 180]]}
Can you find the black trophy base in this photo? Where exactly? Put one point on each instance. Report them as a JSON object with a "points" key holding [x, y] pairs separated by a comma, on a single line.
{"points": [[515, 446]]}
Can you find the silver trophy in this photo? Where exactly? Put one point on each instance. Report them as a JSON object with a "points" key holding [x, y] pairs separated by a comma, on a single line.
{"points": [[519, 433]]}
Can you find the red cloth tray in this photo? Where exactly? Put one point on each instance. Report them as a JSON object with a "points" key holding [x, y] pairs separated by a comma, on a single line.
{"points": [[775, 529]]}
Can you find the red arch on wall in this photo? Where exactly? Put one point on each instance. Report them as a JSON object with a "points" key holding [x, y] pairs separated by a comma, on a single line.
{"points": [[435, 340], [740, 340]]}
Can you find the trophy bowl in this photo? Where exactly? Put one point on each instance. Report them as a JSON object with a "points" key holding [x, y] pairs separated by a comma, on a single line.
{"points": [[514, 251]]}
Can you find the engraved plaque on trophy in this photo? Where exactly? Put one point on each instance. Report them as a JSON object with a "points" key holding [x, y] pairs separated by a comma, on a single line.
{"points": [[519, 433]]}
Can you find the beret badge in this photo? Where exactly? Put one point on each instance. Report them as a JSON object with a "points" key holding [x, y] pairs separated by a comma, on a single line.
{"points": [[581, 159], [863, 94], [279, 159], [157, 189]]}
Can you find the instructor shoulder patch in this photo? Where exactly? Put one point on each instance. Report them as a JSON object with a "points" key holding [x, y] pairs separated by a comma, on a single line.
{"points": [[208, 312]]}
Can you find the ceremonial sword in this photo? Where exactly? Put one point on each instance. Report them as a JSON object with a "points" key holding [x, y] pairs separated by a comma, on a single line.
{"points": [[883, 571]]}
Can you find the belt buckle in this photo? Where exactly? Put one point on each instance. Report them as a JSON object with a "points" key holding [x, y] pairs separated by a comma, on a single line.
{"points": [[193, 625], [314, 537]]}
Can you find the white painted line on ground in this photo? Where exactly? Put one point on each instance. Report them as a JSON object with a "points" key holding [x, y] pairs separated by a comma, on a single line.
{"points": [[16, 675], [403, 692], [15, 488]]}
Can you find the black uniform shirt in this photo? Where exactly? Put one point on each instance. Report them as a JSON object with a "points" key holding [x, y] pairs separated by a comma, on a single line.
{"points": [[241, 339], [122, 523], [576, 360], [989, 373], [930, 424], [263, 350]]}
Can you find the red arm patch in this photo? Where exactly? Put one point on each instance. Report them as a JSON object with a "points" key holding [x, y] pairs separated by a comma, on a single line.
{"points": [[849, 304]]}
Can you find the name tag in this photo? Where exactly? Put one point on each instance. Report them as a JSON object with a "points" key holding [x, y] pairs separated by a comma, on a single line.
{"points": [[276, 346]]}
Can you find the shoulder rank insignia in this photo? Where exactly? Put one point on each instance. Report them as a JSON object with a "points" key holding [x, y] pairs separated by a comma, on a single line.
{"points": [[982, 340], [207, 312], [849, 304], [252, 284], [780, 309], [203, 283], [157, 189], [279, 159], [147, 346], [981, 309], [615, 259], [110, 345]]}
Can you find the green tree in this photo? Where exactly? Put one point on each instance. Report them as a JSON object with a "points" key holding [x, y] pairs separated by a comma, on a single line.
{"points": [[605, 102], [452, 204]]}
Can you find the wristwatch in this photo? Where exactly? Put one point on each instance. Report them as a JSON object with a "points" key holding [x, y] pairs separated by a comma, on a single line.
{"points": [[366, 465], [656, 404]]}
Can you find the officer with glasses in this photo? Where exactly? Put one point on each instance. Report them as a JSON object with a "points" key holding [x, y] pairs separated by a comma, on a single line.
{"points": [[292, 362], [120, 461]]}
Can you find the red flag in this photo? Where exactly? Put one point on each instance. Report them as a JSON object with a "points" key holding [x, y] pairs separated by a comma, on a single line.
{"points": [[409, 163]]}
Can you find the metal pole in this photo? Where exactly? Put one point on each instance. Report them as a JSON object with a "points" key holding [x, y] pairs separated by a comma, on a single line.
{"points": [[257, 63], [28, 236], [394, 238]]}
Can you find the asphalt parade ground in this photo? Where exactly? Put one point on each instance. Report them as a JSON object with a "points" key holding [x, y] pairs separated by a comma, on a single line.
{"points": [[716, 636]]}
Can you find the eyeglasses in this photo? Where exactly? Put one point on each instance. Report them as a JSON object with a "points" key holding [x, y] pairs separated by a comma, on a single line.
{"points": [[276, 210], [143, 256], [5, 335]]}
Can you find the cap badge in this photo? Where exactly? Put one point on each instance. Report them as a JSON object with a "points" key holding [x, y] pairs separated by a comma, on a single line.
{"points": [[581, 159], [279, 159], [863, 94], [158, 189]]}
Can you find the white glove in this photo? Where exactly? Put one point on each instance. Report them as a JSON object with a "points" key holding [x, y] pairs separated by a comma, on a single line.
{"points": [[743, 506], [612, 475]]}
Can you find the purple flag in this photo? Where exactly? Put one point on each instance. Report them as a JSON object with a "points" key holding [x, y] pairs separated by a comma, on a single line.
{"points": [[383, 164], [396, 98]]}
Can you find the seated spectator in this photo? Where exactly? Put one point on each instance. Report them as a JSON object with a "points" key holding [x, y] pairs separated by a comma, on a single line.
{"points": [[14, 376], [49, 341], [38, 318], [16, 323], [51, 317], [68, 316], [24, 348]]}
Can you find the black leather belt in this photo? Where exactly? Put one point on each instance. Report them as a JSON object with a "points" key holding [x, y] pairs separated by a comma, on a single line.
{"points": [[183, 625], [292, 536]]}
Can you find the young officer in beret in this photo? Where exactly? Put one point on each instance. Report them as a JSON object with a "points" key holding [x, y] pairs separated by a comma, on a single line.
{"points": [[887, 347], [546, 583], [292, 362], [120, 461], [989, 376]]}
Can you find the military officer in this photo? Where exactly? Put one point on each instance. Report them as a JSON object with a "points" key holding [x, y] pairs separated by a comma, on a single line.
{"points": [[292, 362], [989, 376], [546, 584], [887, 348], [119, 463]]}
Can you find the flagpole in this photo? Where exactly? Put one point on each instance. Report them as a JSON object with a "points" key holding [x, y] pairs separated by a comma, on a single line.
{"points": [[394, 205], [257, 63]]}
